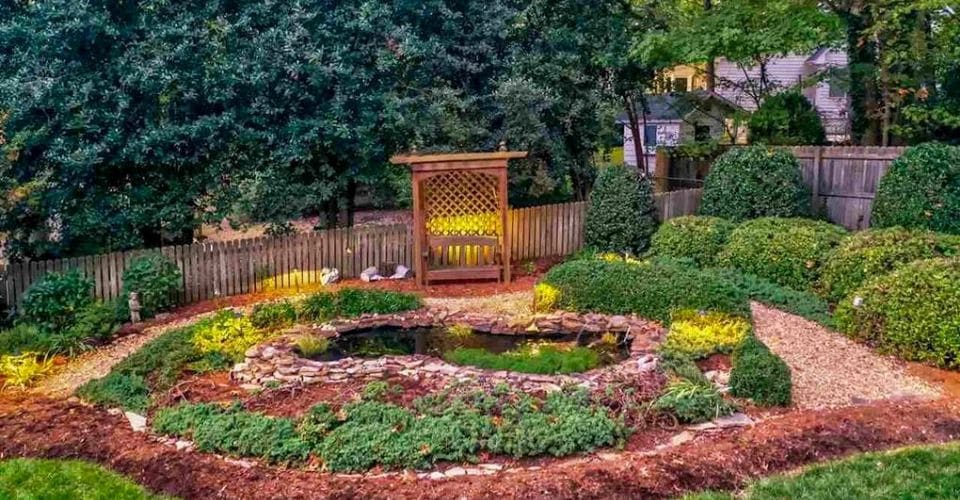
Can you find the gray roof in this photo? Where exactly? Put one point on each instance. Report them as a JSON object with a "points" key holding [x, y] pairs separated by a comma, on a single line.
{"points": [[675, 106]]}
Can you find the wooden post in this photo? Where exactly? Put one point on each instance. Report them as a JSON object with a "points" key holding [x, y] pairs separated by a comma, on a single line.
{"points": [[661, 172], [504, 209]]}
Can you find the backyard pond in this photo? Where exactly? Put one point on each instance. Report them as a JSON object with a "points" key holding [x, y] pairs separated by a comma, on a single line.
{"points": [[537, 354]]}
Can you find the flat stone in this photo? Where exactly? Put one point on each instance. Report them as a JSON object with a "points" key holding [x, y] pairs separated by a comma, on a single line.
{"points": [[456, 472], [137, 422], [735, 420], [183, 445], [493, 467], [435, 476], [683, 437], [703, 427]]}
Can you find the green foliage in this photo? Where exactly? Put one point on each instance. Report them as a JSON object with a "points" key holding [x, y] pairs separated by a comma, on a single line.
{"points": [[872, 253], [23, 337], [353, 302], [227, 333], [273, 316], [755, 181], [155, 367], [921, 190], [651, 290], [801, 303], [311, 346], [23, 478], [373, 433], [682, 366], [913, 312], [621, 215], [157, 279], [787, 119], [788, 252], [701, 335], [692, 402], [55, 301], [234, 431], [542, 358], [691, 237], [760, 375]]}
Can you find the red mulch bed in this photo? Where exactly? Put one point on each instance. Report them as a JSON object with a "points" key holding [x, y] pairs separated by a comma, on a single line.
{"points": [[60, 429]]}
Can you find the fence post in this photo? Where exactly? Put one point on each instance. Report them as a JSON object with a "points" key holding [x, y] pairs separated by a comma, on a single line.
{"points": [[817, 159]]}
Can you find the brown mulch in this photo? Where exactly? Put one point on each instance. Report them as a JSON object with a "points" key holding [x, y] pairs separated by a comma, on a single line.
{"points": [[60, 429]]}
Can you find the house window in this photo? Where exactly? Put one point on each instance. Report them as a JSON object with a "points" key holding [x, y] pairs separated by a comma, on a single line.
{"points": [[680, 85], [836, 88], [701, 133], [650, 136]]}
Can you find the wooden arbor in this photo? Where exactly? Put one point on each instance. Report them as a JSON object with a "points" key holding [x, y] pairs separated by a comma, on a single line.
{"points": [[460, 215]]}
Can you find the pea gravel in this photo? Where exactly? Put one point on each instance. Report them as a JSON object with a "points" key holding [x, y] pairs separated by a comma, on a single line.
{"points": [[830, 370]]}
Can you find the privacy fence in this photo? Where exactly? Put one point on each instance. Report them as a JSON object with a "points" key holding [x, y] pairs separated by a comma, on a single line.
{"points": [[843, 180], [219, 269]]}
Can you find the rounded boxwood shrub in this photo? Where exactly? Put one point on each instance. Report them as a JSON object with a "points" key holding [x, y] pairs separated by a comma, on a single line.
{"points": [[921, 190], [55, 301], [788, 252], [649, 290], [620, 215], [876, 252], [755, 181], [913, 312], [787, 119], [698, 238], [157, 279], [760, 375]]}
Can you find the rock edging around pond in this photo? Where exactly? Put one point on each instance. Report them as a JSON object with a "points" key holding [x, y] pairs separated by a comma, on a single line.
{"points": [[276, 362]]}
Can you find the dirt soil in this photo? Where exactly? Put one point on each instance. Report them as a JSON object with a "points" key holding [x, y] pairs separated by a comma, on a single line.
{"points": [[32, 427]]}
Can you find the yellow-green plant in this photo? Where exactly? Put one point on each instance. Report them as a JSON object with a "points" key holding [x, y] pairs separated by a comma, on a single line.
{"points": [[545, 297], [460, 331], [228, 334], [312, 345], [703, 334], [20, 371]]}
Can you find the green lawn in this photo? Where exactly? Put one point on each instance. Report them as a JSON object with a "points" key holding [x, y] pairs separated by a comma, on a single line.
{"points": [[23, 479], [911, 473]]}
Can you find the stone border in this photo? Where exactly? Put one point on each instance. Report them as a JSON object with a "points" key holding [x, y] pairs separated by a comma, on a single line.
{"points": [[276, 362]]}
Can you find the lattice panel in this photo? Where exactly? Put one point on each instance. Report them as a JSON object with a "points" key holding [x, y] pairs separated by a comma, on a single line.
{"points": [[462, 203]]}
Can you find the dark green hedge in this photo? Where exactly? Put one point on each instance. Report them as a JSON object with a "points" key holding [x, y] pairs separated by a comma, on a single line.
{"points": [[650, 290], [760, 375], [787, 119], [756, 181], [620, 215], [913, 312], [921, 190], [876, 252], [697, 238], [788, 252]]}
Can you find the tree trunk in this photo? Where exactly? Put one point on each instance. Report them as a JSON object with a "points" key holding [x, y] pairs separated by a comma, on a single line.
{"points": [[351, 196], [711, 70], [633, 121], [865, 105]]}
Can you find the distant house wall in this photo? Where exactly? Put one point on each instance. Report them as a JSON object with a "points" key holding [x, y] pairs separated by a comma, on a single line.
{"points": [[668, 134]]}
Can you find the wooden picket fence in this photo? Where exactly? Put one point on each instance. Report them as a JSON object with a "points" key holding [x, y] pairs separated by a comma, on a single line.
{"points": [[221, 269]]}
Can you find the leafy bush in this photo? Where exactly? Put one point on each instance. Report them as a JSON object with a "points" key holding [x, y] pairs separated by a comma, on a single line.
{"points": [[760, 375], [698, 238], [787, 119], [273, 316], [620, 215], [23, 337], [913, 312], [801, 303], [62, 479], [20, 371], [530, 358], [651, 290], [751, 182], [372, 433], [701, 335], [876, 252], [682, 366], [157, 279], [227, 333], [155, 367], [311, 346], [353, 302], [788, 252], [921, 190], [55, 301], [692, 402]]}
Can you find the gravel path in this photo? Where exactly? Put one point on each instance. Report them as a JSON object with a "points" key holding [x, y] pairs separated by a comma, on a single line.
{"points": [[830, 370], [518, 304], [97, 363]]}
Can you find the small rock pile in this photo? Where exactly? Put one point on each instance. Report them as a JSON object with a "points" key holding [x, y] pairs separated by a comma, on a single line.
{"points": [[277, 362]]}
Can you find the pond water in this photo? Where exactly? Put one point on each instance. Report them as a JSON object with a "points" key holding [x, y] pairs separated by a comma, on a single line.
{"points": [[438, 342]]}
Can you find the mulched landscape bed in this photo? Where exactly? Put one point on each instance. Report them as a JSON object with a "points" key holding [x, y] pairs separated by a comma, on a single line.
{"points": [[61, 429]]}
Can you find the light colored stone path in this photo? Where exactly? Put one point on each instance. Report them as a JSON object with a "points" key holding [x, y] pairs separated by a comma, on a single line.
{"points": [[830, 370], [517, 304]]}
